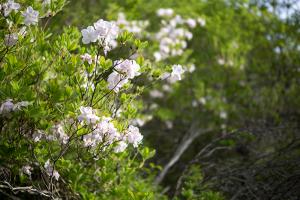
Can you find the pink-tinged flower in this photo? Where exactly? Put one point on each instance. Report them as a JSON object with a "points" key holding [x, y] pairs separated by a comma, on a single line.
{"points": [[7, 107], [133, 136], [176, 73], [27, 170], [11, 39], [89, 35], [30, 16], [165, 12], [87, 57], [191, 23], [87, 115], [121, 146], [50, 170], [9, 6], [116, 81]]}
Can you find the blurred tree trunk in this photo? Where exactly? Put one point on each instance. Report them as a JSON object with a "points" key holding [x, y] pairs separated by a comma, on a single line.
{"points": [[186, 141]]}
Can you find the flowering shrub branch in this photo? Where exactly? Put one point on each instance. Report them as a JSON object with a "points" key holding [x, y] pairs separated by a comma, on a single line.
{"points": [[63, 99]]}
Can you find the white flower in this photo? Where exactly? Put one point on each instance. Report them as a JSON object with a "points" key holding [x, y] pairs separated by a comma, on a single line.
{"points": [[46, 2], [192, 68], [191, 23], [27, 170], [87, 115], [30, 16], [106, 30], [126, 69], [223, 115], [221, 61], [38, 135], [19, 105], [112, 134], [179, 19], [118, 113], [157, 56], [56, 175], [138, 122], [50, 171], [129, 67], [104, 131], [230, 63], [165, 12], [60, 134], [11, 39], [202, 100], [166, 88], [136, 27], [153, 106], [87, 57], [169, 124], [89, 35], [7, 106], [177, 71], [50, 138], [22, 31], [223, 126], [116, 81], [188, 35], [10, 6], [89, 140], [156, 94], [172, 39], [194, 103], [201, 21], [133, 136], [165, 75], [121, 146]]}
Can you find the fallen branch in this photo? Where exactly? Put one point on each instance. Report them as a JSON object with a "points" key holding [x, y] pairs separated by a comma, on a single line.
{"points": [[190, 136], [28, 189]]}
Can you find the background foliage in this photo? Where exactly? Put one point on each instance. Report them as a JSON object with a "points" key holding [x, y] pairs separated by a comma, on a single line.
{"points": [[228, 130]]}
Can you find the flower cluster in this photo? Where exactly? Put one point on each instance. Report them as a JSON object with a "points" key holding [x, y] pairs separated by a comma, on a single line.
{"points": [[222, 61], [200, 101], [9, 6], [87, 57], [156, 94], [51, 171], [175, 75], [30, 17], [56, 133], [88, 115], [11, 39], [133, 136], [173, 36], [102, 31], [8, 106], [171, 78], [27, 170], [135, 26], [141, 121], [105, 133], [59, 133], [123, 71], [38, 135], [165, 12]]}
